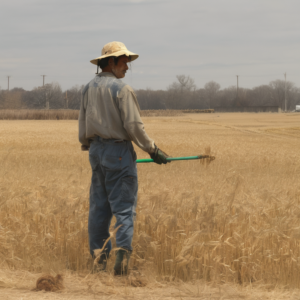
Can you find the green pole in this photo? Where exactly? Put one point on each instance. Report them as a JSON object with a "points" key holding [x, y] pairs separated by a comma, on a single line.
{"points": [[150, 160]]}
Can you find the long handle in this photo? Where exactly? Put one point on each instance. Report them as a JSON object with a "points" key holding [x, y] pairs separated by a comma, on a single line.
{"points": [[150, 160]]}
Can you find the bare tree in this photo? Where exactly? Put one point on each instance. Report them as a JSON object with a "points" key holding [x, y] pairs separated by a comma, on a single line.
{"points": [[226, 97], [2, 98], [278, 90], [11, 99], [260, 95], [185, 83], [38, 97], [243, 98], [54, 95], [198, 100], [72, 97], [144, 98], [211, 89], [180, 93], [149, 99]]}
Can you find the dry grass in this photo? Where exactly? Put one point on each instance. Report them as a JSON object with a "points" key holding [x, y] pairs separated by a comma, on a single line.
{"points": [[39, 114], [173, 112], [17, 285], [69, 114], [198, 111], [161, 113], [235, 221]]}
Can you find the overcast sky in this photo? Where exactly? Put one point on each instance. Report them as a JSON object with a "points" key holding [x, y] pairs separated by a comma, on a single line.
{"points": [[259, 40]]}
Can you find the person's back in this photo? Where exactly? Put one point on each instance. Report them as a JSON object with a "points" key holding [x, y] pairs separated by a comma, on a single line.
{"points": [[109, 120], [110, 110], [102, 107]]}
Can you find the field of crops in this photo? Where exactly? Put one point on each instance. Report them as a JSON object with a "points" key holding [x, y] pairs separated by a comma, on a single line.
{"points": [[72, 114], [229, 229]]}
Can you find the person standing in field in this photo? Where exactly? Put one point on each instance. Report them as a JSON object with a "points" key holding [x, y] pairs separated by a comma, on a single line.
{"points": [[109, 120]]}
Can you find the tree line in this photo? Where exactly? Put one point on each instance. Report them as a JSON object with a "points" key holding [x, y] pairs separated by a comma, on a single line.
{"points": [[181, 94], [50, 95]]}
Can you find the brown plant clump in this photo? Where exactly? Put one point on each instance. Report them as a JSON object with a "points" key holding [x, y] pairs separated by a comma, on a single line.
{"points": [[137, 282], [49, 283]]}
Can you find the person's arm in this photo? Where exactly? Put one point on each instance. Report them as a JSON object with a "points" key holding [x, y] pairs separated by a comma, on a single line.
{"points": [[85, 144], [132, 122]]}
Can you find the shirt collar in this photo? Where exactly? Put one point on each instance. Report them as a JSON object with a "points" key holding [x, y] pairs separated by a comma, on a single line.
{"points": [[106, 74]]}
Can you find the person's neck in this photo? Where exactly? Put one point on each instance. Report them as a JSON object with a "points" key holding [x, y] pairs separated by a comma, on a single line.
{"points": [[107, 69]]}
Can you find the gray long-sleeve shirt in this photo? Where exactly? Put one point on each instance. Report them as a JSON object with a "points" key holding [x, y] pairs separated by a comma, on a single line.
{"points": [[109, 109]]}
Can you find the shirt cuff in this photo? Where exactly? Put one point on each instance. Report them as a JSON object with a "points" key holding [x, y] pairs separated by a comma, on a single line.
{"points": [[152, 148]]}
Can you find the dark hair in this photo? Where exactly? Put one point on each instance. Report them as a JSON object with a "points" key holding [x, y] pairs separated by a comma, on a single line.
{"points": [[104, 61]]}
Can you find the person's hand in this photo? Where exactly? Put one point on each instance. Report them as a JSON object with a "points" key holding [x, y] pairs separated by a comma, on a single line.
{"points": [[159, 156], [85, 148]]}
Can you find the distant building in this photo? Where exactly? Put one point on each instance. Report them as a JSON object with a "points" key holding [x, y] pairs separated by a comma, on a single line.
{"points": [[298, 108]]}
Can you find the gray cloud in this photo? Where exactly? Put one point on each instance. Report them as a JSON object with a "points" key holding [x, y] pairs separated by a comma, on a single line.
{"points": [[259, 40]]}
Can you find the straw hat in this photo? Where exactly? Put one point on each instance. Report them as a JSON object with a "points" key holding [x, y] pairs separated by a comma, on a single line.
{"points": [[114, 49]]}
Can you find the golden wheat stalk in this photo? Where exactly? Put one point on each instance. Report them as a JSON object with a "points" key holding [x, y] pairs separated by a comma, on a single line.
{"points": [[98, 252]]}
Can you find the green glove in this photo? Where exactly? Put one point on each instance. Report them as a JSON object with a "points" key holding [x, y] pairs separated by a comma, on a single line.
{"points": [[159, 156]]}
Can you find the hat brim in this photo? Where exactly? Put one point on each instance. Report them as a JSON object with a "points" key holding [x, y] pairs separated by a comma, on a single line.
{"points": [[119, 53]]}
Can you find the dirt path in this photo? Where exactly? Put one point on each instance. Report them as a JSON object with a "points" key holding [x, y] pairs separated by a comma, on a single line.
{"points": [[19, 284]]}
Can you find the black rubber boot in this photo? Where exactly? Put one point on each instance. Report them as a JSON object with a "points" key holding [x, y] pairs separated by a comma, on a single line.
{"points": [[121, 267], [101, 266]]}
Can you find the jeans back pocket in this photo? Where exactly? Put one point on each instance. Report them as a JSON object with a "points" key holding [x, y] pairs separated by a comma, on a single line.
{"points": [[112, 163]]}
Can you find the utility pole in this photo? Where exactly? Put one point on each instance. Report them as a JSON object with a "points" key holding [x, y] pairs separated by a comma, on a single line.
{"points": [[8, 82], [237, 88], [67, 100], [47, 102], [285, 90], [43, 79]]}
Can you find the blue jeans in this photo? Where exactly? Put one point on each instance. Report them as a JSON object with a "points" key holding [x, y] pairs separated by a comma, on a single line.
{"points": [[113, 192]]}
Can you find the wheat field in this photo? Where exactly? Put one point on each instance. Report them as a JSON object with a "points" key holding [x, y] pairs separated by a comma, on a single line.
{"points": [[72, 114], [227, 230]]}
